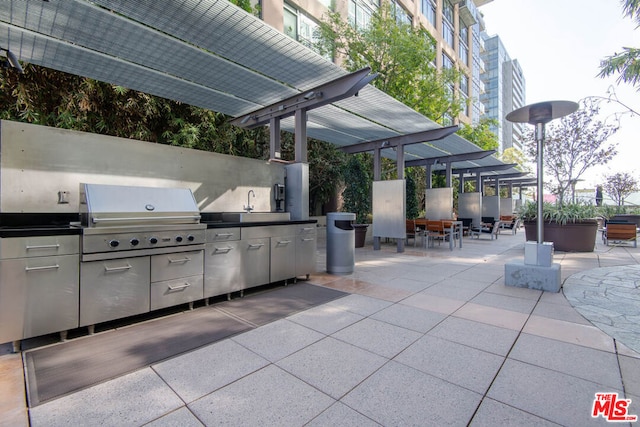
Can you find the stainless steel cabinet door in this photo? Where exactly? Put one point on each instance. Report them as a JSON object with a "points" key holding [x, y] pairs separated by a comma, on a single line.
{"points": [[305, 254], [255, 262], [38, 296], [113, 289], [283, 258], [222, 268]]}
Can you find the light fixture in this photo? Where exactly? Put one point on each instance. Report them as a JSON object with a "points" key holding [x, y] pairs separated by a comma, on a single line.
{"points": [[247, 118], [11, 61]]}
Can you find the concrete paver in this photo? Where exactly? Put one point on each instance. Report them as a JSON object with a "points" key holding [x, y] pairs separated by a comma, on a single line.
{"points": [[427, 337]]}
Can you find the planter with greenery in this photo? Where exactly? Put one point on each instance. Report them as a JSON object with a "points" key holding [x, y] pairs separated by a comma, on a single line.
{"points": [[571, 227]]}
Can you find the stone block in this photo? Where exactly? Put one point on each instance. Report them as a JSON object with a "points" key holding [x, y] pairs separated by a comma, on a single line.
{"points": [[523, 275], [538, 254]]}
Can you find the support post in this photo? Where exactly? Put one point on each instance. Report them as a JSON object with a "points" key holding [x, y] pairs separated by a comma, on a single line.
{"points": [[274, 138], [539, 142], [377, 175], [301, 136]]}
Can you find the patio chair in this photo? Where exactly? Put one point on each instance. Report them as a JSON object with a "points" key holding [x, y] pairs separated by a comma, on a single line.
{"points": [[411, 231], [466, 225], [491, 229], [509, 223], [620, 233], [434, 231]]}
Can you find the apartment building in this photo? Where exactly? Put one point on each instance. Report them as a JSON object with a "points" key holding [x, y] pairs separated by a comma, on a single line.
{"points": [[456, 25], [504, 85]]}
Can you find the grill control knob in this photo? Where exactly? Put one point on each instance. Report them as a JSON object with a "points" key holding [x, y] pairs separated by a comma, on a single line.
{"points": [[134, 242], [191, 238], [114, 243], [153, 240], [178, 239]]}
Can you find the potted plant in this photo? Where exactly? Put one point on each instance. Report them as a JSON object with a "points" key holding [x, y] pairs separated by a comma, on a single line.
{"points": [[357, 195], [572, 227]]}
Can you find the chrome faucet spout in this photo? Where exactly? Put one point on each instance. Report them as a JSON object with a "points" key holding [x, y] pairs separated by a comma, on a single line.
{"points": [[249, 208]]}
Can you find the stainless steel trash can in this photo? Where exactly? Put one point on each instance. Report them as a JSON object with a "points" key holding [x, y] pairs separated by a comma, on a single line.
{"points": [[341, 239]]}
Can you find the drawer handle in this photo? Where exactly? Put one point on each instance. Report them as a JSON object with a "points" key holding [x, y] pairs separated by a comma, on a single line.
{"points": [[224, 234], [109, 269], [307, 228], [284, 242], [181, 260], [224, 250], [308, 240], [179, 287], [256, 246], [56, 246], [44, 267]]}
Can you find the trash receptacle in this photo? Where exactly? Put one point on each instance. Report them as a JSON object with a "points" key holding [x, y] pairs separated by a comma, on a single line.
{"points": [[340, 242]]}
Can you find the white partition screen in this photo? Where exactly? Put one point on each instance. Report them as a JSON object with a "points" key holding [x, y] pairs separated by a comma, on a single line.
{"points": [[439, 203], [491, 206], [389, 209], [470, 206]]}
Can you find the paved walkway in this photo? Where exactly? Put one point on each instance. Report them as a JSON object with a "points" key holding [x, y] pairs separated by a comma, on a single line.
{"points": [[427, 337]]}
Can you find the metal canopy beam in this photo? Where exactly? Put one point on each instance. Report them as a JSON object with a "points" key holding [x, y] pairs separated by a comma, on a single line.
{"points": [[340, 88], [474, 155], [507, 175], [480, 169], [401, 140]]}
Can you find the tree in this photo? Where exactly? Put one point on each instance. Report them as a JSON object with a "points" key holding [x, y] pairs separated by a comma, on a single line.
{"points": [[481, 134], [413, 209], [573, 144], [402, 56], [618, 186], [626, 63]]}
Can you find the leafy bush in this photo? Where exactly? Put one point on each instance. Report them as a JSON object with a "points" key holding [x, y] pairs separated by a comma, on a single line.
{"points": [[561, 214]]}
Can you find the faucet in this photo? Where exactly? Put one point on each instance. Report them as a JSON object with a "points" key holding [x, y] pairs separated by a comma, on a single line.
{"points": [[249, 208]]}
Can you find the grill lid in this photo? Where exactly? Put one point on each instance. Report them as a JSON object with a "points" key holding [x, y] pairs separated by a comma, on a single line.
{"points": [[120, 205]]}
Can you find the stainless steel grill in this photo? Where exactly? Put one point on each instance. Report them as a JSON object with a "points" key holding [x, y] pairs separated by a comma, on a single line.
{"points": [[124, 221]]}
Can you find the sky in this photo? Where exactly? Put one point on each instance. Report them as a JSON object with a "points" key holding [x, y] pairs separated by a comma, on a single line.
{"points": [[559, 45]]}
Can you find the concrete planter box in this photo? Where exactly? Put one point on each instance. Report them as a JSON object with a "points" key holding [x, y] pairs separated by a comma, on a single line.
{"points": [[571, 237]]}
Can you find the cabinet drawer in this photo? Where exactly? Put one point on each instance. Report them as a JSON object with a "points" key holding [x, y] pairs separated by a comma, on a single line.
{"points": [[37, 246], [306, 229], [176, 265], [173, 292], [223, 234]]}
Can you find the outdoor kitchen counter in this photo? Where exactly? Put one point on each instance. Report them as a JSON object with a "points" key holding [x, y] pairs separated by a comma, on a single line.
{"points": [[32, 231], [223, 224]]}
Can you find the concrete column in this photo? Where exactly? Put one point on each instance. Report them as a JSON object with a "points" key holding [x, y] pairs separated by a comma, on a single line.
{"points": [[429, 177]]}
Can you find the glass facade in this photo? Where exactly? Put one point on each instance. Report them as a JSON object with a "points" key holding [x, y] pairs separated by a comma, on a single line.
{"points": [[504, 91]]}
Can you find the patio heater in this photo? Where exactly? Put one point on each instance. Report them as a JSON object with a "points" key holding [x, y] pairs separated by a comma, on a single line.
{"points": [[538, 271]]}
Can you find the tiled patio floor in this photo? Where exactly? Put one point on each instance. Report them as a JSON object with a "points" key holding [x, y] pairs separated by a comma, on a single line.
{"points": [[427, 337]]}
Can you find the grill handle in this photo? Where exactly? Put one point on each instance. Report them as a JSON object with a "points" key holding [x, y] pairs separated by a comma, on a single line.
{"points": [[97, 220]]}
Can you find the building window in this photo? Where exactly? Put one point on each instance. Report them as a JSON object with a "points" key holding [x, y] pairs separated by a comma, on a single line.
{"points": [[290, 18], [447, 63], [429, 10], [464, 84], [401, 15], [447, 22], [299, 26], [360, 13], [463, 48]]}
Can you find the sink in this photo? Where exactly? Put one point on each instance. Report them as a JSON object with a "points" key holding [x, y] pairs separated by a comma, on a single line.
{"points": [[255, 216]]}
